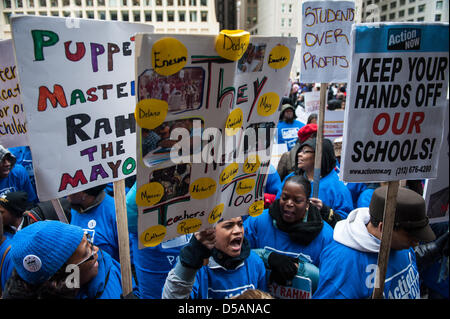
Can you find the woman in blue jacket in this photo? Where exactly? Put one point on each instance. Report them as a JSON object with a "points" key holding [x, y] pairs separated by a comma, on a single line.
{"points": [[57, 260], [332, 191], [216, 264], [290, 231]]}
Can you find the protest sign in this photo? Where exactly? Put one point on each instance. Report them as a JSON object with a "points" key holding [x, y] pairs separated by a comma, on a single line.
{"points": [[436, 191], [325, 41], [77, 83], [333, 124], [205, 129], [13, 126], [312, 101], [396, 101]]}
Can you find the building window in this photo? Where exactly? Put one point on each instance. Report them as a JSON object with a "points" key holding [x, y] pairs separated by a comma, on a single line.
{"points": [[158, 2], [136, 3], [42, 13], [182, 16], [19, 4], [282, 8], [169, 3], [384, 7], [90, 14], [437, 17], [282, 22], [411, 10], [439, 5], [393, 4], [181, 3], [102, 15], [113, 15], [421, 8], [159, 16], [89, 3], [170, 16], [54, 13], [101, 3], [204, 3], [383, 18], [7, 4], [290, 8], [401, 13], [391, 16], [420, 19], [204, 16], [136, 16], [148, 15], [30, 3], [193, 16], [192, 2], [402, 2], [125, 16], [412, 1], [42, 3], [78, 3]]}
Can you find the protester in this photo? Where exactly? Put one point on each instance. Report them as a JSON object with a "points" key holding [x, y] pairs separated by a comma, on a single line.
{"points": [[6, 265], [151, 264], [231, 266], [95, 212], [291, 232], [12, 207], [45, 255], [23, 157], [288, 126], [332, 191], [288, 162], [348, 265], [14, 177], [46, 211]]}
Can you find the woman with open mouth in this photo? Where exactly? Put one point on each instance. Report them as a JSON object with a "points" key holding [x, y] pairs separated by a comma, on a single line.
{"points": [[216, 264], [290, 235]]}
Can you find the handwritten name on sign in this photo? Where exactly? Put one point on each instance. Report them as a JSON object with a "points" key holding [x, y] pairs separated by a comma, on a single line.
{"points": [[231, 44], [169, 56]]}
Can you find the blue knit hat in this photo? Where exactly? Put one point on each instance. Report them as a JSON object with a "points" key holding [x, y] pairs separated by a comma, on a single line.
{"points": [[39, 250]]}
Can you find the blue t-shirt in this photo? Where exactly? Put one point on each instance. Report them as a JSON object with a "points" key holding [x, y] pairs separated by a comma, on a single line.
{"points": [[287, 133], [261, 233], [100, 223], [215, 282], [18, 180], [8, 265], [332, 192], [346, 273]]}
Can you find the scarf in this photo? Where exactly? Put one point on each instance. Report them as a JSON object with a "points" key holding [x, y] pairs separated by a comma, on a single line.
{"points": [[228, 262], [94, 288], [303, 232]]}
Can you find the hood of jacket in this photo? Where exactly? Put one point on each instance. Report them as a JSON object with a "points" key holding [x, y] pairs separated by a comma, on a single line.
{"points": [[328, 162], [352, 232]]}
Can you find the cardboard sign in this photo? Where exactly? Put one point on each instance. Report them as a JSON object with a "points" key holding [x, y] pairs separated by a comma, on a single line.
{"points": [[78, 92], [326, 41], [396, 102], [13, 126], [208, 123]]}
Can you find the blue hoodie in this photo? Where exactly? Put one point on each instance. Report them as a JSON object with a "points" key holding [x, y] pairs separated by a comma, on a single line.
{"points": [[8, 264], [348, 265]]}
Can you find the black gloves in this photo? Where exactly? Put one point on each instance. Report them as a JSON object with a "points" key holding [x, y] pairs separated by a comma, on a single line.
{"points": [[427, 254], [193, 253], [283, 267]]}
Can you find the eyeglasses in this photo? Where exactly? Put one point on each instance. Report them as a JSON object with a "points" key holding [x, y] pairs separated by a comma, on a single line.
{"points": [[303, 151], [92, 255]]}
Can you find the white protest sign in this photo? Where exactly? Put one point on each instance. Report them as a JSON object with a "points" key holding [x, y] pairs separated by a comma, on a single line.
{"points": [[325, 41], [436, 191], [77, 85], [218, 115], [396, 102], [312, 101], [13, 126]]}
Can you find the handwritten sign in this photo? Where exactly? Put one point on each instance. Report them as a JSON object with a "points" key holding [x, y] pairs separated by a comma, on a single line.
{"points": [[396, 102], [211, 150], [13, 126], [325, 42], [78, 94]]}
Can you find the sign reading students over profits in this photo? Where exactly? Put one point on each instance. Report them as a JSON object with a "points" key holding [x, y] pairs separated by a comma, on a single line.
{"points": [[326, 41], [78, 92], [396, 102], [13, 127]]}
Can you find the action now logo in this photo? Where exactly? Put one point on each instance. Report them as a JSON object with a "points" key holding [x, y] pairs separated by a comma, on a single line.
{"points": [[404, 39]]}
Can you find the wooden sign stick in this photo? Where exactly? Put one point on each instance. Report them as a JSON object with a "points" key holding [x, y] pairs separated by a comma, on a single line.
{"points": [[122, 231], [386, 236], [59, 211], [319, 139]]}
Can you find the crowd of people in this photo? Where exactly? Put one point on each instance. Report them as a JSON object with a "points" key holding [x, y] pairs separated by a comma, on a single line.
{"points": [[323, 247]]}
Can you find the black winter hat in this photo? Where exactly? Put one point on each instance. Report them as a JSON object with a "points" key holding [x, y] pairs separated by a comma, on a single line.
{"points": [[15, 202]]}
